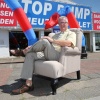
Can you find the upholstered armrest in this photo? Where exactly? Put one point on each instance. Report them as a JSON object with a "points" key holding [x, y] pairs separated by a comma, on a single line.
{"points": [[51, 34], [70, 50]]}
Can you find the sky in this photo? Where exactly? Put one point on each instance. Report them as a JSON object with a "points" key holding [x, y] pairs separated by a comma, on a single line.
{"points": [[94, 4]]}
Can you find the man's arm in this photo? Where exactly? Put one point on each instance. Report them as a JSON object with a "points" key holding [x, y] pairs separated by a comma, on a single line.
{"points": [[58, 42], [62, 42]]}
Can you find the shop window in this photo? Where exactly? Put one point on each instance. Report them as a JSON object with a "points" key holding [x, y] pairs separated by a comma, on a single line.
{"points": [[97, 41], [46, 33], [17, 39]]}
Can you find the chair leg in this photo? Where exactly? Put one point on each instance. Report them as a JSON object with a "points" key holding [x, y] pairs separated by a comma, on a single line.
{"points": [[78, 75], [54, 85]]}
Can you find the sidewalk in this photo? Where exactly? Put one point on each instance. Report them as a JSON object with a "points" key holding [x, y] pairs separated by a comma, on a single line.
{"points": [[87, 88]]}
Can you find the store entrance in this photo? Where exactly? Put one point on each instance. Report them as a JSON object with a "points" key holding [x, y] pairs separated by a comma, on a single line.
{"points": [[17, 39], [97, 41], [87, 37], [46, 33]]}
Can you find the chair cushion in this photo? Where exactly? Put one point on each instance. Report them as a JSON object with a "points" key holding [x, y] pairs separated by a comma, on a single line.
{"points": [[52, 69]]}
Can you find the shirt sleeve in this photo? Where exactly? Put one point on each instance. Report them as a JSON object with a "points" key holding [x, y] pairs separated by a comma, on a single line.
{"points": [[72, 37]]}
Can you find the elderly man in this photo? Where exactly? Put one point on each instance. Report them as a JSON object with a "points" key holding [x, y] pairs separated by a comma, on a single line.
{"points": [[46, 48]]}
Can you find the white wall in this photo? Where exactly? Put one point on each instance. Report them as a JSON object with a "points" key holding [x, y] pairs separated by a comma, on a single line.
{"points": [[41, 34], [4, 43], [94, 47], [91, 42]]}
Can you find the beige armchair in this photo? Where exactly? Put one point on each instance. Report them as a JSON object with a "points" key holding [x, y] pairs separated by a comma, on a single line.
{"points": [[69, 62]]}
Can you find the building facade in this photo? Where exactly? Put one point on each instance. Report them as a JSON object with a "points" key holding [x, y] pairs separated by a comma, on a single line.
{"points": [[12, 36]]}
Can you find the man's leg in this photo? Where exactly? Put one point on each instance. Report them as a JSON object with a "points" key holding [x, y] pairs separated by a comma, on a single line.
{"points": [[31, 56], [27, 72], [44, 45], [28, 65], [35, 54], [41, 45]]}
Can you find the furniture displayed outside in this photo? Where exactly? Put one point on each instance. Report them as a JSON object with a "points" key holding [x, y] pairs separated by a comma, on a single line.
{"points": [[69, 62]]}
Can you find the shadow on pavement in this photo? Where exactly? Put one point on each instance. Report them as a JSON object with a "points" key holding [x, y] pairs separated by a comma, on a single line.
{"points": [[42, 85], [9, 88]]}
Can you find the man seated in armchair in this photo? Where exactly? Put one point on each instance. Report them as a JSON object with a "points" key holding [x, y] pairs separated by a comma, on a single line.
{"points": [[47, 48]]}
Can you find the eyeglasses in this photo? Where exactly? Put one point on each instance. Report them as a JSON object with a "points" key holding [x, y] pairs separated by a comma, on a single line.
{"points": [[63, 22]]}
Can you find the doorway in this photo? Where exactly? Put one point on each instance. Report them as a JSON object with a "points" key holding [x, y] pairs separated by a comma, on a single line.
{"points": [[17, 39], [87, 38]]}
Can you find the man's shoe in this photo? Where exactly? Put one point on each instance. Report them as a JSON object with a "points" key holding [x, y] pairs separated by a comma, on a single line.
{"points": [[17, 53], [24, 88]]}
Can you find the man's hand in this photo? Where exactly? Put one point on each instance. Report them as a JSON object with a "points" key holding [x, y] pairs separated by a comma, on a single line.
{"points": [[26, 49], [48, 38]]}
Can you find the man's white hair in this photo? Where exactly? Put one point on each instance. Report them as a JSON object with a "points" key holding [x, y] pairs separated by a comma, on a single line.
{"points": [[62, 17]]}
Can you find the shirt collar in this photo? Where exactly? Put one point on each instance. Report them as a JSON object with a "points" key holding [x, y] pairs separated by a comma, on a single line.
{"points": [[64, 31]]}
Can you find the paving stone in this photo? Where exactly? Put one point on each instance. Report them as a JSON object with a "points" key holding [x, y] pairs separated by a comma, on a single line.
{"points": [[93, 75], [69, 87], [4, 75], [88, 92], [94, 98], [82, 84], [84, 78], [61, 96], [5, 96]]}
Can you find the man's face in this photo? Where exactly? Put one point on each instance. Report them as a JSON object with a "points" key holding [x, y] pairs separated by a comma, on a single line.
{"points": [[63, 24]]}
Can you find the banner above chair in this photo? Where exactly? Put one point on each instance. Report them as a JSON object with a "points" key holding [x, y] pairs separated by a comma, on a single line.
{"points": [[66, 11]]}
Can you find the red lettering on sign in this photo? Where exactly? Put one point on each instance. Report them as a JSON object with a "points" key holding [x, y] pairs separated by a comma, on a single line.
{"points": [[96, 21], [6, 15]]}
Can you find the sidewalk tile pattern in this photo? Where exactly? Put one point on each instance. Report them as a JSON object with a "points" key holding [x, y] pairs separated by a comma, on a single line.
{"points": [[4, 75]]}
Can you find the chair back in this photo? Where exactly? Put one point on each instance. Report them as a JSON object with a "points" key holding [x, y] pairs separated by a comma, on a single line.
{"points": [[79, 33]]}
